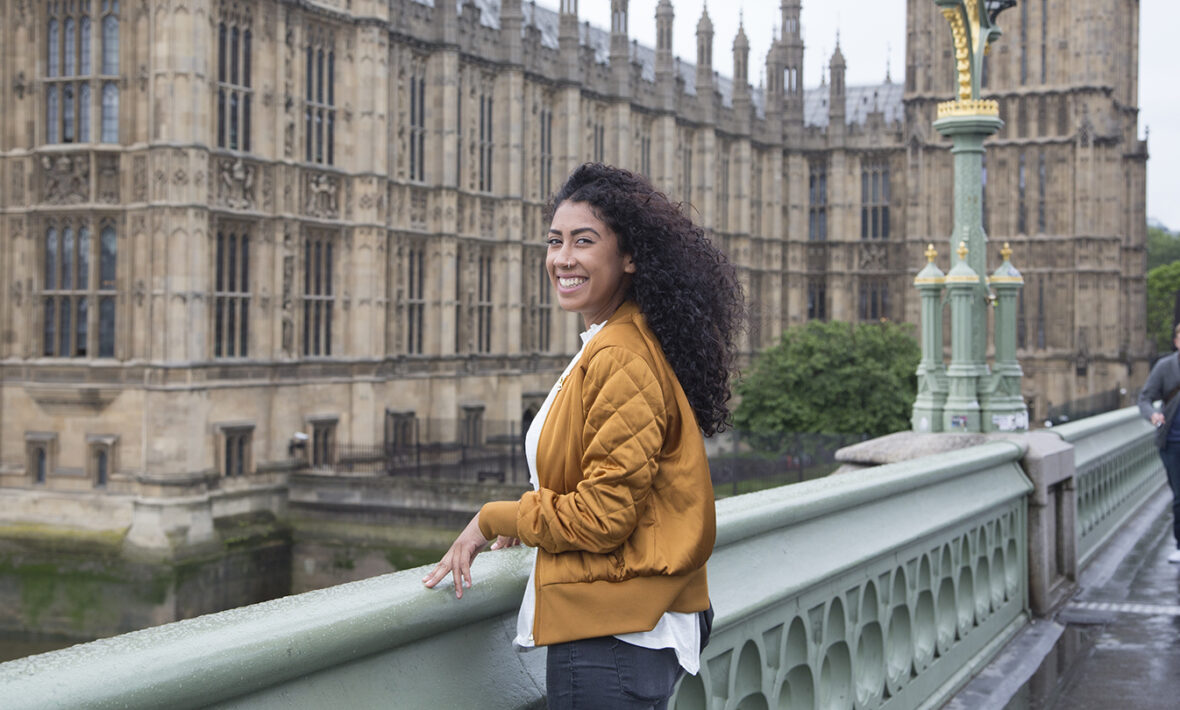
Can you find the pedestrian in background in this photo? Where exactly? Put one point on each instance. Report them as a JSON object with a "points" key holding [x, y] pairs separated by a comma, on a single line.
{"points": [[622, 509], [1163, 383]]}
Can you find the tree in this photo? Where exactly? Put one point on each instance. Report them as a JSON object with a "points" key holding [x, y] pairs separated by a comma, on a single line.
{"points": [[832, 378], [1163, 247], [1163, 283]]}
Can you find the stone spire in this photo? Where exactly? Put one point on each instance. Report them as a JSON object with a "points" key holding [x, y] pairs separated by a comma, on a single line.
{"points": [[567, 38], [664, 16], [836, 95], [741, 56], [619, 52], [511, 23], [742, 105], [791, 45], [620, 49], [704, 52]]}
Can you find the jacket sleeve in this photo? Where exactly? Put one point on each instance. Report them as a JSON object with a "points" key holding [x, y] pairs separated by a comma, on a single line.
{"points": [[624, 432], [1152, 389]]}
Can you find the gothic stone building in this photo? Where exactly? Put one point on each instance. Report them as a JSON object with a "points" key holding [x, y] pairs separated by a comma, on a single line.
{"points": [[226, 222]]}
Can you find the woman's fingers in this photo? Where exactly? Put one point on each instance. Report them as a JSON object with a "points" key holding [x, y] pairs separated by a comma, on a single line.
{"points": [[437, 574], [502, 542], [457, 561]]}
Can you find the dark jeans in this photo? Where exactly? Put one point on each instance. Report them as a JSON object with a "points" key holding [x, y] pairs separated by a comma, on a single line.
{"points": [[1171, 456], [606, 673]]}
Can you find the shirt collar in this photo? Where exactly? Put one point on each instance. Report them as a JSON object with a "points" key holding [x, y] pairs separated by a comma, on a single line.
{"points": [[590, 332]]}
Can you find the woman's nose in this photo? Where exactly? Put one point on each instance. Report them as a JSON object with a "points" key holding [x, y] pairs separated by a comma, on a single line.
{"points": [[565, 257]]}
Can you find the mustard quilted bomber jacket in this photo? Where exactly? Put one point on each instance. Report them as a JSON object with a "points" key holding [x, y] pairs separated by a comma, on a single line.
{"points": [[624, 518]]}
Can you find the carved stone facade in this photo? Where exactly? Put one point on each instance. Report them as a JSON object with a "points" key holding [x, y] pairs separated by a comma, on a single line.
{"points": [[335, 210]]}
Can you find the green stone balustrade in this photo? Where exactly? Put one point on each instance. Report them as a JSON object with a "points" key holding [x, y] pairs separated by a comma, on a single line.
{"points": [[884, 588], [1118, 467]]}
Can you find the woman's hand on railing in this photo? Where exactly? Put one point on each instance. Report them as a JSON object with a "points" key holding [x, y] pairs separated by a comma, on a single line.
{"points": [[457, 561]]}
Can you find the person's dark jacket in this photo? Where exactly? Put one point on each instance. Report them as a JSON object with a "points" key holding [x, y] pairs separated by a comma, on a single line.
{"points": [[1163, 380]]}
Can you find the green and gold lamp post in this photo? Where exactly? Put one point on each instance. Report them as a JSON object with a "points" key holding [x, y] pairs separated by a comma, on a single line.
{"points": [[968, 119]]}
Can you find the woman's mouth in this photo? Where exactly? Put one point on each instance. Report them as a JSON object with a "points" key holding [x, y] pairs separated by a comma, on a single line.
{"points": [[570, 281]]}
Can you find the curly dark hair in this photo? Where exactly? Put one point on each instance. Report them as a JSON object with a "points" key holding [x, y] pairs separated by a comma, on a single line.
{"points": [[684, 285]]}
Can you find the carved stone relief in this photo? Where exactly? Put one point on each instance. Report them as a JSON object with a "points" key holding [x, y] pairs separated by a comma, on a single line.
{"points": [[18, 182], [321, 195], [268, 189], [487, 216], [108, 179], [22, 12], [235, 183], [874, 257], [139, 178], [20, 85], [418, 209], [161, 183], [65, 179], [288, 315]]}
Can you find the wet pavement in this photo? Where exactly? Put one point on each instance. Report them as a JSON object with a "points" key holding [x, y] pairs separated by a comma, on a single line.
{"points": [[1114, 645]]}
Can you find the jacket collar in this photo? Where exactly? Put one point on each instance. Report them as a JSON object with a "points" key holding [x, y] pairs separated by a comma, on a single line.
{"points": [[626, 311]]}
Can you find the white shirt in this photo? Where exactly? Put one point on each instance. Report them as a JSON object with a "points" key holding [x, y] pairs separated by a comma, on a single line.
{"points": [[675, 630]]}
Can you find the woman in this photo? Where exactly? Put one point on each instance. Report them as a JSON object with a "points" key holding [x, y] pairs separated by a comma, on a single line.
{"points": [[622, 512]]}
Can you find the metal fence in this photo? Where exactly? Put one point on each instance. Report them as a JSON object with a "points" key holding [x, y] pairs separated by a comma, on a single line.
{"points": [[748, 462], [458, 449], [1083, 407], [494, 451]]}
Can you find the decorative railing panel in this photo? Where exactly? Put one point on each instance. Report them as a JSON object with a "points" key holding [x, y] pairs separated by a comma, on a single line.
{"points": [[882, 588], [1118, 467]]}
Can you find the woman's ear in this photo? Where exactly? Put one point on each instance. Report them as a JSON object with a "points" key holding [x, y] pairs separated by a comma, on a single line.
{"points": [[629, 266]]}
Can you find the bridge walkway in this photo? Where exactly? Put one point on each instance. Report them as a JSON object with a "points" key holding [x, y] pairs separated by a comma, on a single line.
{"points": [[1114, 644]]}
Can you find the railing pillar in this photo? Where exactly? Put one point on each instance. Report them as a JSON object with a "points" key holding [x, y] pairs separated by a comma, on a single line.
{"points": [[961, 413], [1003, 406], [927, 413], [1052, 514]]}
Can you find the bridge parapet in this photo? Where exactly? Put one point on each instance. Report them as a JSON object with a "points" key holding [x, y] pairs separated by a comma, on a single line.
{"points": [[1117, 468], [887, 586]]}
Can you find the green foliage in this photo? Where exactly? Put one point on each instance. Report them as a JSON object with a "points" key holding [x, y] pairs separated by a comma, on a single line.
{"points": [[1162, 284], [1163, 247], [836, 378]]}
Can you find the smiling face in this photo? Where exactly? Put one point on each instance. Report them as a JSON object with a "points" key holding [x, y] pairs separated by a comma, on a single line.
{"points": [[585, 265]]}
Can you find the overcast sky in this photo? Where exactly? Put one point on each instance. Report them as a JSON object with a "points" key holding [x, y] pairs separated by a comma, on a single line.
{"points": [[872, 32]]}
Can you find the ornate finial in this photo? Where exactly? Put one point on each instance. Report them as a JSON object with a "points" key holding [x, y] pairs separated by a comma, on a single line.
{"points": [[1006, 252], [962, 251], [930, 254]]}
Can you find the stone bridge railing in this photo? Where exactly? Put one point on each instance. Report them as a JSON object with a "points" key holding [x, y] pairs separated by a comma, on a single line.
{"points": [[882, 588], [1118, 467]]}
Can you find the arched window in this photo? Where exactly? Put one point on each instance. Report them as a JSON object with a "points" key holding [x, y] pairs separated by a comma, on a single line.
{"points": [[110, 43], [53, 65], [110, 112], [71, 85], [68, 293], [234, 95], [100, 468], [319, 100], [84, 114]]}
